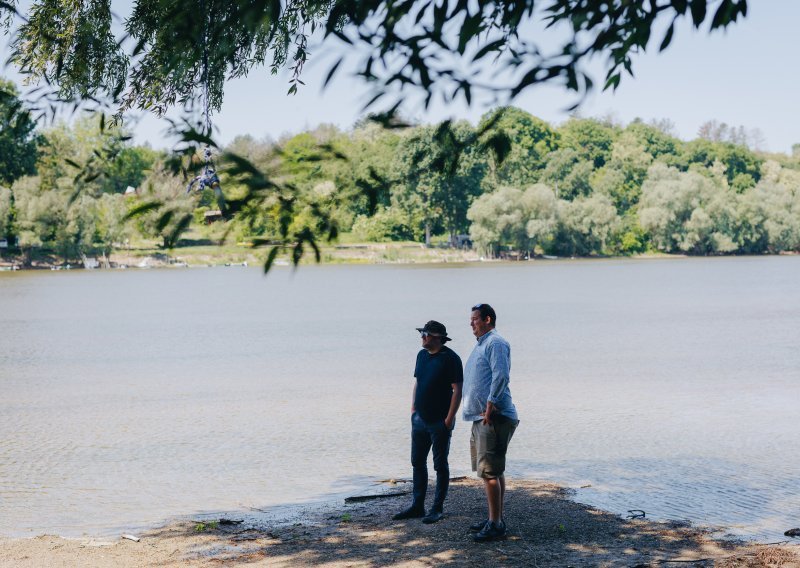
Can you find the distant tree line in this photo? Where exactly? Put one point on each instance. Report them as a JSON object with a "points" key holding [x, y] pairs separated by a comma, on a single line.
{"points": [[512, 183]]}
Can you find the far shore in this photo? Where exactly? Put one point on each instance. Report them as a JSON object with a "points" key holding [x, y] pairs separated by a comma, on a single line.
{"points": [[546, 529], [231, 255]]}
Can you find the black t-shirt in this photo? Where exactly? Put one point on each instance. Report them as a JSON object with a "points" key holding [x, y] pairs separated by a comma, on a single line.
{"points": [[435, 376]]}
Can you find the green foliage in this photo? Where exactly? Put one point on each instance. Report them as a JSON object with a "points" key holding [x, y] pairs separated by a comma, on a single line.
{"points": [[516, 218], [6, 212], [18, 139], [631, 237], [162, 209], [388, 224], [531, 141], [180, 50], [440, 170], [585, 225], [568, 174], [742, 182], [366, 177], [98, 157], [659, 144], [590, 138], [736, 159], [688, 212], [623, 174]]}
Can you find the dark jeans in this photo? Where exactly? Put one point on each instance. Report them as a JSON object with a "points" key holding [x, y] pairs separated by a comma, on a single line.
{"points": [[424, 436]]}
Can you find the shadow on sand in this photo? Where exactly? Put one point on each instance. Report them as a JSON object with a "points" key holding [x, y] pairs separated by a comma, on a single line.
{"points": [[546, 528]]}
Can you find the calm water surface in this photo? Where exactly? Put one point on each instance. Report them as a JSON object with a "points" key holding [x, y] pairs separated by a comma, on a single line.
{"points": [[130, 397]]}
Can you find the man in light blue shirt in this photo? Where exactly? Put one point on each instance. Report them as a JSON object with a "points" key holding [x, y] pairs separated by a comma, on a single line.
{"points": [[488, 405]]}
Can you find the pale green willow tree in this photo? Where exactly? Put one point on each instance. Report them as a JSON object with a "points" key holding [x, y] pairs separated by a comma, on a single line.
{"points": [[585, 225], [6, 211], [41, 215], [688, 211], [776, 202], [513, 217]]}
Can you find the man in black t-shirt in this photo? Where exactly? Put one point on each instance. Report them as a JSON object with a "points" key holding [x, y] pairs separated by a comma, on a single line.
{"points": [[437, 395]]}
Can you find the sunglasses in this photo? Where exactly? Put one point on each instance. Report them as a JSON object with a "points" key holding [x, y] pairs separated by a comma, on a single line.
{"points": [[428, 334], [477, 306]]}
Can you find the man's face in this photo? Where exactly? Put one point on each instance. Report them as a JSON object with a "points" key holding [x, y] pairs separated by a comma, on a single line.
{"points": [[479, 326], [430, 342]]}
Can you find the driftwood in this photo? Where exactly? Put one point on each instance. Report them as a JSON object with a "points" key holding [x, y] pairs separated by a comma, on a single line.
{"points": [[360, 498], [406, 480], [131, 537]]}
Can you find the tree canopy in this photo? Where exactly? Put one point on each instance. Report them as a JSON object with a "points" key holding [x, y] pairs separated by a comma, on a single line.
{"points": [[437, 184], [174, 51]]}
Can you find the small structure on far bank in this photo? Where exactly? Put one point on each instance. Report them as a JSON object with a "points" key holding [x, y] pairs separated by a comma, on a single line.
{"points": [[212, 216]]}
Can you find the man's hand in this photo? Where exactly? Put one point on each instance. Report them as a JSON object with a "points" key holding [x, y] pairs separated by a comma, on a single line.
{"points": [[449, 421], [487, 414]]}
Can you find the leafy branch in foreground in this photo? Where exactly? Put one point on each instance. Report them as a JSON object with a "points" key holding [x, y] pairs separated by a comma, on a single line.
{"points": [[173, 50]]}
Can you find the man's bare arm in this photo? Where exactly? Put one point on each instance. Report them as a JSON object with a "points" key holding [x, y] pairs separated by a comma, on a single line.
{"points": [[455, 402]]}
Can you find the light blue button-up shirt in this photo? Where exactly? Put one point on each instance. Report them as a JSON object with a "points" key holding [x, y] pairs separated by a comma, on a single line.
{"points": [[486, 377]]}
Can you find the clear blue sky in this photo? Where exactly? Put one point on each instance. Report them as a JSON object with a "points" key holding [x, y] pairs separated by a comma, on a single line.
{"points": [[744, 76]]}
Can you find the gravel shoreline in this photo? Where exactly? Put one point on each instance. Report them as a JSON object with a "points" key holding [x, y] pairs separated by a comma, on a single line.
{"points": [[546, 529]]}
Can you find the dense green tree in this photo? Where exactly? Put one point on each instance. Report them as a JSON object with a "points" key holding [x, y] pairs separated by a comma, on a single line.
{"points": [[440, 173], [365, 178], [738, 160], [567, 174], [98, 157], [630, 237], [624, 172], [162, 187], [590, 138], [659, 144], [531, 140], [18, 138], [387, 224]]}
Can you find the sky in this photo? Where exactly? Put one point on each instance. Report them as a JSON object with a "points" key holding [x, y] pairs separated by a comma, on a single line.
{"points": [[741, 76]]}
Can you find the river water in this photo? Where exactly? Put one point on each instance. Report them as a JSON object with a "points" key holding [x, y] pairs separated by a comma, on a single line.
{"points": [[130, 397]]}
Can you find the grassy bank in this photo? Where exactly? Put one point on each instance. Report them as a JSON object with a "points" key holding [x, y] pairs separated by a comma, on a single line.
{"points": [[206, 248]]}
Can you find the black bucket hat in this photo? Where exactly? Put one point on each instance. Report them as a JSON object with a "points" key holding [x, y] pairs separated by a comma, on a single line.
{"points": [[435, 328]]}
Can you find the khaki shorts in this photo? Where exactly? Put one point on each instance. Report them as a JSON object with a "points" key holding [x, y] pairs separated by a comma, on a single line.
{"points": [[488, 445]]}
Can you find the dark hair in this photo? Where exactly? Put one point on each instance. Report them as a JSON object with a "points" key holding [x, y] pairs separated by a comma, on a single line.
{"points": [[486, 311]]}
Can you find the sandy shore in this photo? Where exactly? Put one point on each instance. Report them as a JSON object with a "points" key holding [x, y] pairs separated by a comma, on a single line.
{"points": [[547, 529]]}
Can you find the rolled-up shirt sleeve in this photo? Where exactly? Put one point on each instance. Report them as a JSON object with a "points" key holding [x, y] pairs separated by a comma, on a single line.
{"points": [[499, 356]]}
